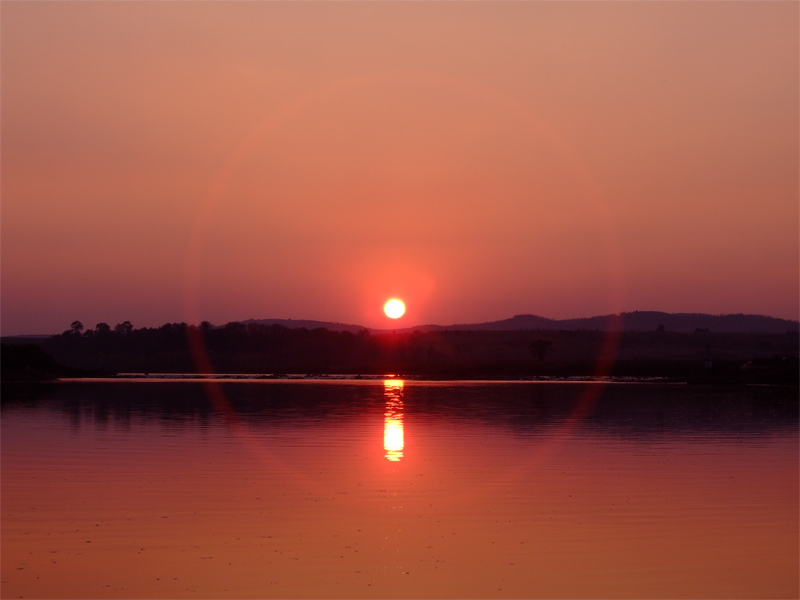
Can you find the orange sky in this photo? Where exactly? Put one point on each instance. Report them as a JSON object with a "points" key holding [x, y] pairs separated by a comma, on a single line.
{"points": [[219, 161]]}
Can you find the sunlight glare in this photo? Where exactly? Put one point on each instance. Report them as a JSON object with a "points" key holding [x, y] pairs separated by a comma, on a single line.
{"points": [[393, 439], [394, 308]]}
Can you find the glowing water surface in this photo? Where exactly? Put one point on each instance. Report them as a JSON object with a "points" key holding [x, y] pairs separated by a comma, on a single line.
{"points": [[391, 489], [393, 441]]}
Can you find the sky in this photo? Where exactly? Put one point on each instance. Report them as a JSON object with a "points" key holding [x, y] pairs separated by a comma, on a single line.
{"points": [[189, 161]]}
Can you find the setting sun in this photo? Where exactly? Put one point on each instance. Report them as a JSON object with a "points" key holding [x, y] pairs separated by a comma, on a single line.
{"points": [[394, 308]]}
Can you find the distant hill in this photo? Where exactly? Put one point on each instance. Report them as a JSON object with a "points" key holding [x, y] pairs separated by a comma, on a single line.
{"points": [[632, 321], [635, 321]]}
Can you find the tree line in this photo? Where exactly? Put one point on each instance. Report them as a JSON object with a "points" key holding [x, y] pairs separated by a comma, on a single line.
{"points": [[233, 348], [276, 349], [256, 348]]}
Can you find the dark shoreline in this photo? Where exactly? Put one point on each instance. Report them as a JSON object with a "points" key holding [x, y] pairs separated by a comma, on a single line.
{"points": [[275, 352]]}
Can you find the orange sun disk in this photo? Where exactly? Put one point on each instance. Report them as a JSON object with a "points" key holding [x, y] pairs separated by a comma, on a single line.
{"points": [[394, 308]]}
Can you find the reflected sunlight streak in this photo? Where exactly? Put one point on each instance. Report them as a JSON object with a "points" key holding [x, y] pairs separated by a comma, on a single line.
{"points": [[393, 441]]}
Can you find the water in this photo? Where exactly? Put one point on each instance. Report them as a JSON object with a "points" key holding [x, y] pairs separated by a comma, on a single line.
{"points": [[372, 489]]}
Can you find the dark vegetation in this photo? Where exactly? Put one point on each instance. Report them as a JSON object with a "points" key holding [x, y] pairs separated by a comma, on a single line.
{"points": [[699, 356], [29, 362]]}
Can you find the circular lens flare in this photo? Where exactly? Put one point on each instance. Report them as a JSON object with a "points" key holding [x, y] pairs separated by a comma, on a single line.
{"points": [[394, 308]]}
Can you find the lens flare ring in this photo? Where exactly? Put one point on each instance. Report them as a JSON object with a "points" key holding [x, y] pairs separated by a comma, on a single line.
{"points": [[204, 219]]}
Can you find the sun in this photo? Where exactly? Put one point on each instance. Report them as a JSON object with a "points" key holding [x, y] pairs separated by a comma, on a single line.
{"points": [[394, 308]]}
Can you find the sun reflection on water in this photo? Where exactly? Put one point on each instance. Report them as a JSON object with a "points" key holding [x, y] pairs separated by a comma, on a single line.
{"points": [[393, 419]]}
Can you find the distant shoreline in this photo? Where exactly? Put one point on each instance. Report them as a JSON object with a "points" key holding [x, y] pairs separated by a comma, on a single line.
{"points": [[634, 321], [371, 379], [262, 352]]}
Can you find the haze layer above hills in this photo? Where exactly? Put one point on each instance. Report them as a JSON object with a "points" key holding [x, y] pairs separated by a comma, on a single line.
{"points": [[632, 321]]}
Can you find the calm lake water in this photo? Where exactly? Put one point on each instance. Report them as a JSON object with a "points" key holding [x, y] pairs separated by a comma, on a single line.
{"points": [[391, 489]]}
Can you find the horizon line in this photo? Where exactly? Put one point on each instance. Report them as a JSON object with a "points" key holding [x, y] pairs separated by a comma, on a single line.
{"points": [[403, 327]]}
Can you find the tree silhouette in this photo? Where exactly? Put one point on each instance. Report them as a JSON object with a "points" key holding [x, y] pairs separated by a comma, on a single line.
{"points": [[540, 348], [123, 328]]}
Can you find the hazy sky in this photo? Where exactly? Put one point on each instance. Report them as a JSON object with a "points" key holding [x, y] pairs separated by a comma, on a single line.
{"points": [[188, 161]]}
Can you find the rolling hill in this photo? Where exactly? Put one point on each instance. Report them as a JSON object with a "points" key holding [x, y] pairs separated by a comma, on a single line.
{"points": [[632, 321]]}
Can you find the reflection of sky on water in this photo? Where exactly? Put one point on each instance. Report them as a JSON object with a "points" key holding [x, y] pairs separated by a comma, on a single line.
{"points": [[543, 514], [393, 441], [530, 409]]}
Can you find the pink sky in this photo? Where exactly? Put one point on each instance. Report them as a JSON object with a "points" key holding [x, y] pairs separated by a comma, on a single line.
{"points": [[185, 161]]}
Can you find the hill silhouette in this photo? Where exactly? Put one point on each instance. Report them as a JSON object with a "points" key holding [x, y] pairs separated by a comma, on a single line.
{"points": [[630, 321], [524, 346]]}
